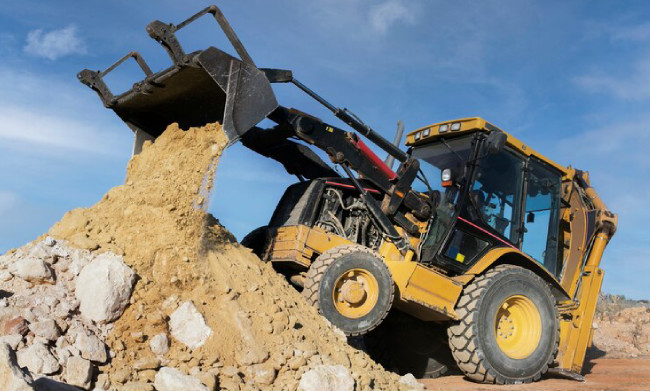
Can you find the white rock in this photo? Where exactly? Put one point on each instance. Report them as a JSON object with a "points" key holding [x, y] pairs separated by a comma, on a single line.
{"points": [[327, 378], [49, 241], [170, 379], [12, 378], [78, 260], [188, 326], [13, 340], [78, 372], [38, 359], [50, 301], [261, 373], [5, 275], [411, 382], [104, 287], [159, 344], [46, 328], [91, 347], [32, 270], [62, 354], [102, 382], [41, 251]]}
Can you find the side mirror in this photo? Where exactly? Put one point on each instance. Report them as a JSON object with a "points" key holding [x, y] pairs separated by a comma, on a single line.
{"points": [[495, 141]]}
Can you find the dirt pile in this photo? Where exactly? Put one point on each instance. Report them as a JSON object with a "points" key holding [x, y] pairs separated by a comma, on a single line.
{"points": [[202, 304], [622, 332]]}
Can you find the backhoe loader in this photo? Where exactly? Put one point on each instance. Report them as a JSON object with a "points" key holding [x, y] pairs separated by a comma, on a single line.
{"points": [[476, 247]]}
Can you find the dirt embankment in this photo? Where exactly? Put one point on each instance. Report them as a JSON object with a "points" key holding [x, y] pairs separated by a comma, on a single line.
{"points": [[251, 329], [622, 329]]}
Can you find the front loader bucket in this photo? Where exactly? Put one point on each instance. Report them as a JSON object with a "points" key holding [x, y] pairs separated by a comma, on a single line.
{"points": [[201, 87]]}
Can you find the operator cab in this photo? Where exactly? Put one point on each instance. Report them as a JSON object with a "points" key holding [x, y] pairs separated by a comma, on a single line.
{"points": [[494, 192]]}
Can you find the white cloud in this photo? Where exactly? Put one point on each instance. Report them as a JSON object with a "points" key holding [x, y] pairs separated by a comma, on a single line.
{"points": [[385, 15], [54, 44], [58, 119], [635, 85], [8, 201], [639, 33], [29, 127], [614, 145]]}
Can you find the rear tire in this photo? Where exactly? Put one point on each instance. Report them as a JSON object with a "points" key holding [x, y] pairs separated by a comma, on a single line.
{"points": [[351, 287], [404, 344], [508, 330]]}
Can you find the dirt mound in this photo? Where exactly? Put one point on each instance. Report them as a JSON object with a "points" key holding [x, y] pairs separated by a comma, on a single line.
{"points": [[622, 333], [228, 317]]}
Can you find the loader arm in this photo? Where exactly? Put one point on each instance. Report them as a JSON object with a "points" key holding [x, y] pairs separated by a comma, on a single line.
{"points": [[346, 149]]}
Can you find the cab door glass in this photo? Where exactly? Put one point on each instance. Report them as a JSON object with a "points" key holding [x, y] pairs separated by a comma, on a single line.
{"points": [[541, 219], [497, 190], [464, 247]]}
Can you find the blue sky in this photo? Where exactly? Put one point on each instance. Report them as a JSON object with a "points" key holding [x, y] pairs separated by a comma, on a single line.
{"points": [[572, 79]]}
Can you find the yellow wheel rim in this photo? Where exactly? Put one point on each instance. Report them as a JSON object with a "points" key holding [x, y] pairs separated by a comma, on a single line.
{"points": [[355, 293], [518, 327]]}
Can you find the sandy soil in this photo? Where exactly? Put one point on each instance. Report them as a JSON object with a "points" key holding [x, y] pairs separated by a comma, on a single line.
{"points": [[602, 375]]}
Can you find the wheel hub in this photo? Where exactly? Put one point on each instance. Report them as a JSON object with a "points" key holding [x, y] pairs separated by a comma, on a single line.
{"points": [[355, 293], [518, 327]]}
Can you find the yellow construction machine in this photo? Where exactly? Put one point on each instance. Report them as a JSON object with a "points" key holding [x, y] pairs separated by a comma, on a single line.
{"points": [[476, 247]]}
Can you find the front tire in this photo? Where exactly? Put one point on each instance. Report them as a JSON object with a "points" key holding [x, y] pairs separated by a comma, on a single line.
{"points": [[508, 330], [351, 287]]}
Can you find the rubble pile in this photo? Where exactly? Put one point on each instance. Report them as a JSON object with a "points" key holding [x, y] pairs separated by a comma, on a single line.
{"points": [[146, 291], [56, 306]]}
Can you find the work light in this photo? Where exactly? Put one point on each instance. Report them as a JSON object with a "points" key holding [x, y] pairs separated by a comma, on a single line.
{"points": [[446, 175]]}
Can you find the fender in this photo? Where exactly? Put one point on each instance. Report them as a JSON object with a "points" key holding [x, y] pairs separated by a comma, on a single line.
{"points": [[507, 255]]}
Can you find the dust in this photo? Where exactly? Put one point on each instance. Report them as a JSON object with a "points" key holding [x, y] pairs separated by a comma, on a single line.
{"points": [[264, 335]]}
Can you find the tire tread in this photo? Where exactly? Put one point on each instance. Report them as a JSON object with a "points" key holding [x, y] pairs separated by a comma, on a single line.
{"points": [[463, 334], [319, 267]]}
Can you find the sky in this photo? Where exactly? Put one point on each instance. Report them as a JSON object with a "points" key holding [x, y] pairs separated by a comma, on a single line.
{"points": [[571, 79]]}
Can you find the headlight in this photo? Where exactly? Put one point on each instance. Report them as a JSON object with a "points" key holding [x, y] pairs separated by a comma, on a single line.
{"points": [[426, 132], [418, 135], [446, 175], [443, 128], [455, 126]]}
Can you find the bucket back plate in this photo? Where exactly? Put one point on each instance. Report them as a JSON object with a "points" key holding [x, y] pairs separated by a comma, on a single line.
{"points": [[212, 87]]}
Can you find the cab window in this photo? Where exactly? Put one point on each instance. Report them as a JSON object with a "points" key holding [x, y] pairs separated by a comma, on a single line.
{"points": [[496, 192], [542, 215]]}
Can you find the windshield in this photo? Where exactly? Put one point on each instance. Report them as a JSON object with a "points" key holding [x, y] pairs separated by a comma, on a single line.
{"points": [[434, 158]]}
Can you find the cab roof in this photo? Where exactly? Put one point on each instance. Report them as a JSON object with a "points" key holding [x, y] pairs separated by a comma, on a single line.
{"points": [[454, 128]]}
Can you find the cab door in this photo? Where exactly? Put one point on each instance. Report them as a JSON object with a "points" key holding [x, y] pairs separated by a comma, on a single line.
{"points": [[541, 219]]}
